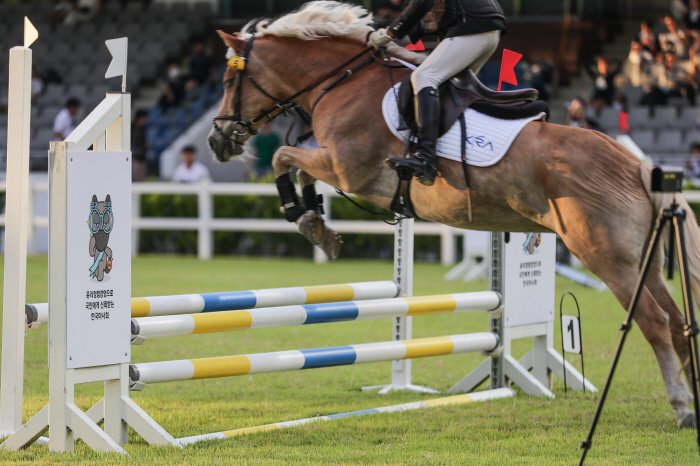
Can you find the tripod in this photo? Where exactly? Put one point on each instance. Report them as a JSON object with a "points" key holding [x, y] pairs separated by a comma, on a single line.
{"points": [[676, 215]]}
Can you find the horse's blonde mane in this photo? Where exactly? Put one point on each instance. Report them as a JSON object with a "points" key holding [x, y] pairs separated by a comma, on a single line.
{"points": [[322, 19]]}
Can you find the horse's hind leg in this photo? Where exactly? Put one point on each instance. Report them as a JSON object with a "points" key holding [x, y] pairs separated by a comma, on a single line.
{"points": [[656, 326], [662, 295], [307, 215]]}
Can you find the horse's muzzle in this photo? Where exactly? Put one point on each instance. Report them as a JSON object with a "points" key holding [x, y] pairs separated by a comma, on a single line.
{"points": [[223, 148]]}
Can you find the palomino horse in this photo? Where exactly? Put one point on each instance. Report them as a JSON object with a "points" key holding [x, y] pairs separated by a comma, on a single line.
{"points": [[580, 184]]}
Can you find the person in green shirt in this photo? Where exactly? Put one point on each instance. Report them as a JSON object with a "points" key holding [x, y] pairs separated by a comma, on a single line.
{"points": [[265, 145]]}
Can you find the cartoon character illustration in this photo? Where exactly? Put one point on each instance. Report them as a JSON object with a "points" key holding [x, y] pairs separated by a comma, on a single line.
{"points": [[101, 221], [531, 242]]}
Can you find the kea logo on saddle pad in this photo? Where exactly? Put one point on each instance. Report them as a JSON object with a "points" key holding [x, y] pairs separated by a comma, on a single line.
{"points": [[488, 138]]}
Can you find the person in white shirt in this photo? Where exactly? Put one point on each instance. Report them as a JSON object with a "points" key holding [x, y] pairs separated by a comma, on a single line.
{"points": [[190, 170], [65, 121]]}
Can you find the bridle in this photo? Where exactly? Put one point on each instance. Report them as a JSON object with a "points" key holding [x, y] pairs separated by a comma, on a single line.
{"points": [[243, 128]]}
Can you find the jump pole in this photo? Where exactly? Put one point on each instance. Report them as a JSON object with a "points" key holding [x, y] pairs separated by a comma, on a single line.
{"points": [[232, 366], [239, 300], [190, 324], [437, 402]]}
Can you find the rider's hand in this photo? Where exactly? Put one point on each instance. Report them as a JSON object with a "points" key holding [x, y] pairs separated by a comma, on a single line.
{"points": [[379, 38]]}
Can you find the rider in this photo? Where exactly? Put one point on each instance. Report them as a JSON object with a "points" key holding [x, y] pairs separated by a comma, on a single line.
{"points": [[470, 31]]}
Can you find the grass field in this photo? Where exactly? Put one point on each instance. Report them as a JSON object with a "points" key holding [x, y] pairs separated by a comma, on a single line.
{"points": [[637, 426]]}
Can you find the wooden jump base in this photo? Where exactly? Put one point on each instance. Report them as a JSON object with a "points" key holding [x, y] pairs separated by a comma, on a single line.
{"points": [[447, 401], [153, 327], [231, 366], [237, 300]]}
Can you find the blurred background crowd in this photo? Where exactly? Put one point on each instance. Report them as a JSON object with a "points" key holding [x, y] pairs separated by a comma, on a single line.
{"points": [[621, 67]]}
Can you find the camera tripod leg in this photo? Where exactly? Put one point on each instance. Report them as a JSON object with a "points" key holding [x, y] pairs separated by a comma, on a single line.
{"points": [[625, 328], [691, 325]]}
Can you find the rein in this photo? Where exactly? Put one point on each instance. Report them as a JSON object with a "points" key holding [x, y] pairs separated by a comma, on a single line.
{"points": [[243, 128]]}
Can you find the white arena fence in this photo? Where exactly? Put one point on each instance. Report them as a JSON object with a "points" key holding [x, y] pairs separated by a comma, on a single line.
{"points": [[205, 224]]}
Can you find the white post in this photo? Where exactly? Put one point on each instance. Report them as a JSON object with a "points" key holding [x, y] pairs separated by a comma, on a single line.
{"points": [[448, 246], [402, 327], [320, 256], [16, 232], [204, 234], [135, 215]]}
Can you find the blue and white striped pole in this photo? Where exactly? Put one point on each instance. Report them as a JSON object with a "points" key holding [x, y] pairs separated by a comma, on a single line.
{"points": [[153, 327], [236, 300], [437, 402], [231, 366]]}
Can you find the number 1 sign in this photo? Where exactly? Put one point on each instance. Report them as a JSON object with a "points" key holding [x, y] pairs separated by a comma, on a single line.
{"points": [[571, 335]]}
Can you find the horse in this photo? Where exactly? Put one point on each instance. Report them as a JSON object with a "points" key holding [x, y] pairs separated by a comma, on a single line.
{"points": [[578, 183]]}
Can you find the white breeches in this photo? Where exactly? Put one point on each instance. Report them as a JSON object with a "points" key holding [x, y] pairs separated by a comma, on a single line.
{"points": [[454, 55]]}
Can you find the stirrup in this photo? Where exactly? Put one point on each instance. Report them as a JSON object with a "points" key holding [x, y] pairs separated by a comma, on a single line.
{"points": [[413, 166]]}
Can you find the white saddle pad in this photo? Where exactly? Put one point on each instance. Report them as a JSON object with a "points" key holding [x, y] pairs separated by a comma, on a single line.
{"points": [[488, 138]]}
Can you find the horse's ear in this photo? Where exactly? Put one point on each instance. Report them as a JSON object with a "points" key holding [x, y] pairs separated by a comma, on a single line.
{"points": [[232, 41]]}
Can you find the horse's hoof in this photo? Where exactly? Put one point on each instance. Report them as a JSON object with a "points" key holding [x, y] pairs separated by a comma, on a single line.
{"points": [[688, 421], [312, 227], [331, 244]]}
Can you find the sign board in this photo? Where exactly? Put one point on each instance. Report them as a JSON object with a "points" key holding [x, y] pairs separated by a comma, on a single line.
{"points": [[571, 334], [98, 258], [529, 273]]}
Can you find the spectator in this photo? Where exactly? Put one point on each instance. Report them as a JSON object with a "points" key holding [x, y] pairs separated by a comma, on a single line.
{"points": [[621, 106], [139, 146], [64, 123], [692, 166], [201, 64], [388, 10], [676, 81], [692, 18], [646, 38], [675, 40], [576, 114], [174, 87], [604, 82], [264, 145], [190, 170], [62, 10]]}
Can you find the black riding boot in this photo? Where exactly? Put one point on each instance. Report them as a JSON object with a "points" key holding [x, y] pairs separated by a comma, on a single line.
{"points": [[423, 163]]}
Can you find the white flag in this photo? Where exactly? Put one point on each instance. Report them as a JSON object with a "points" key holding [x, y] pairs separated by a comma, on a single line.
{"points": [[30, 32], [118, 48]]}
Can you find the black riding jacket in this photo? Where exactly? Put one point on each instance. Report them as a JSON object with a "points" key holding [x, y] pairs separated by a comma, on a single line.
{"points": [[461, 17]]}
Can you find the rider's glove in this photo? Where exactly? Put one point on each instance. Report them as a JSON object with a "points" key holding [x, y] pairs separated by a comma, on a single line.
{"points": [[379, 39]]}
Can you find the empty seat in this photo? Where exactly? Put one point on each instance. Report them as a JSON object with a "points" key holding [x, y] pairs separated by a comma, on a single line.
{"points": [[609, 120], [54, 94], [633, 93], [664, 117], [42, 139], [689, 118], [669, 140], [639, 118], [644, 139], [691, 137]]}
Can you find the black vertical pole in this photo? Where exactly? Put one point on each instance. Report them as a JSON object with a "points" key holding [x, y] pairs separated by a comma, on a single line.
{"points": [[625, 327], [691, 326]]}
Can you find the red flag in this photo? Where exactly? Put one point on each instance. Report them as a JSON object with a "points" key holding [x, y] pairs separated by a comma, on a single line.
{"points": [[417, 47], [510, 59]]}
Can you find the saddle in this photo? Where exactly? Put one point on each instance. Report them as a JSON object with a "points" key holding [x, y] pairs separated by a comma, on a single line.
{"points": [[465, 91]]}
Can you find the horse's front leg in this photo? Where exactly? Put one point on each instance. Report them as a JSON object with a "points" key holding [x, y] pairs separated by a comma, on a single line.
{"points": [[307, 213]]}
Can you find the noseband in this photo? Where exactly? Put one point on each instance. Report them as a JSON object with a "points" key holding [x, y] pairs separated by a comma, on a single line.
{"points": [[242, 128]]}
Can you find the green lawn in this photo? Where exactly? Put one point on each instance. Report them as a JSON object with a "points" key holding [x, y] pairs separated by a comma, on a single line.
{"points": [[637, 426]]}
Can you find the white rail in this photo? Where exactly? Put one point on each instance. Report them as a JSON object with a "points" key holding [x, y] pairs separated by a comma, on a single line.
{"points": [[205, 224]]}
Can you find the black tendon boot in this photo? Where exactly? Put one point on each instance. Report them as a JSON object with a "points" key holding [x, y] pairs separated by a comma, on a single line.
{"points": [[423, 163]]}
